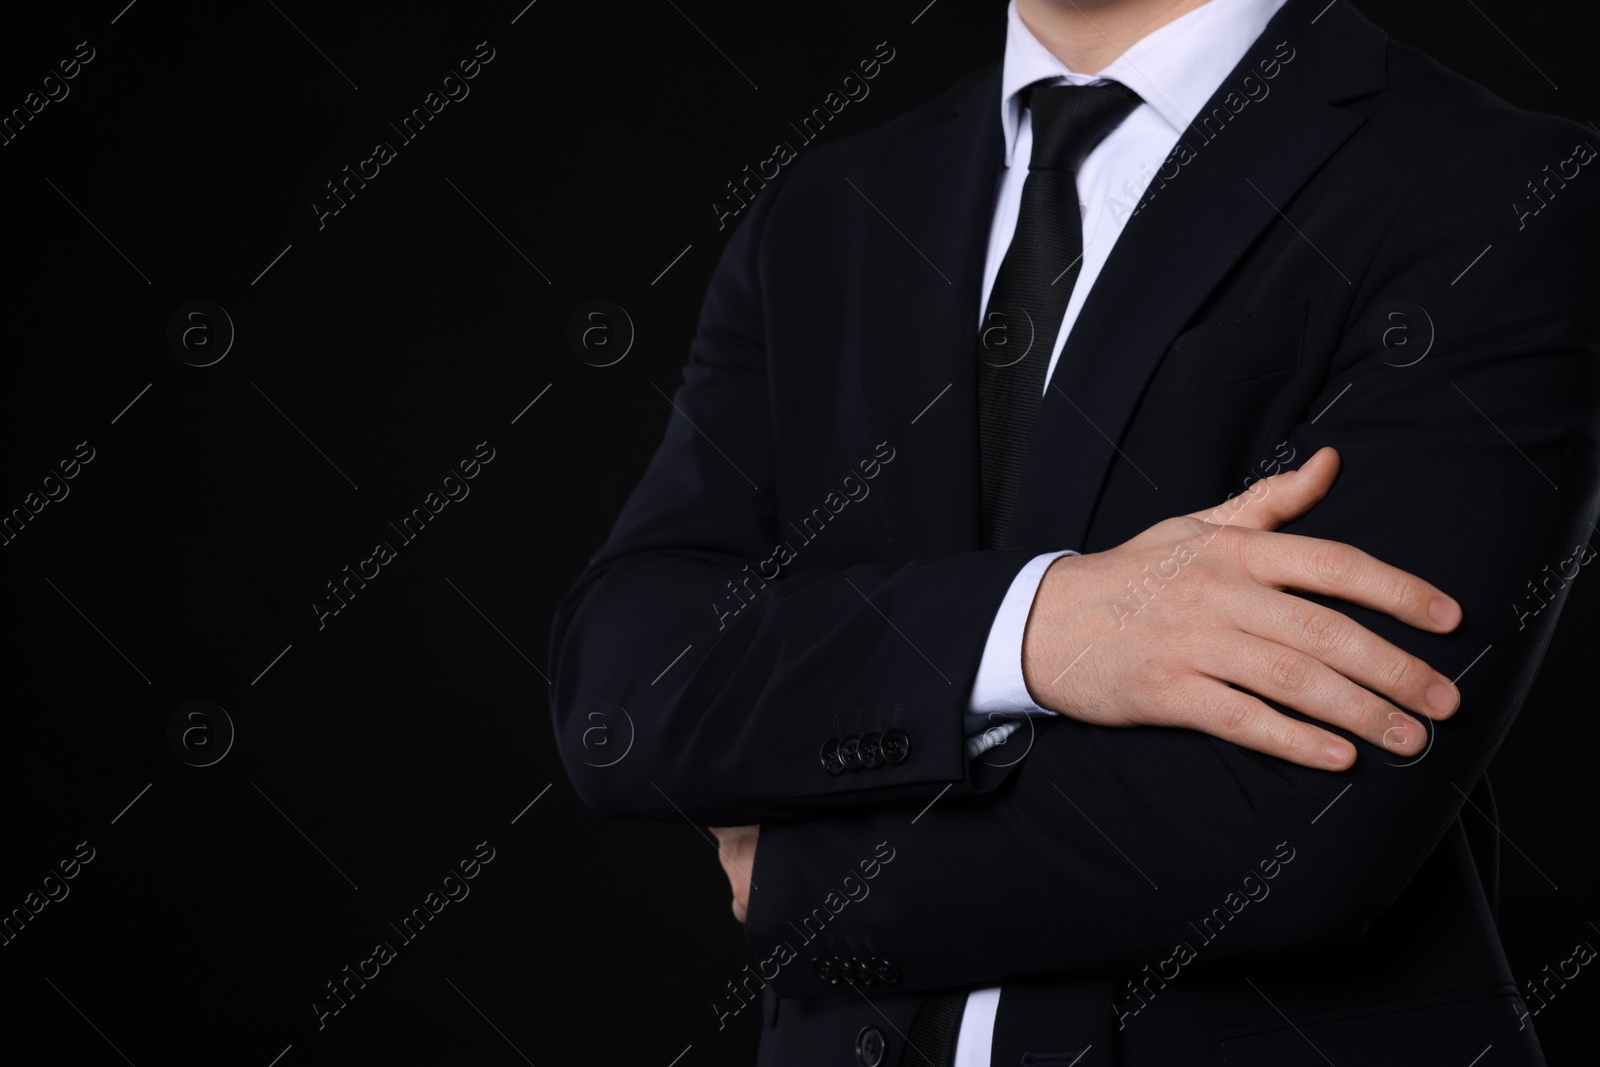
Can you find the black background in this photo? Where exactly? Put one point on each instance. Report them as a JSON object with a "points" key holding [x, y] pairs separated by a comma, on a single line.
{"points": [[376, 353]]}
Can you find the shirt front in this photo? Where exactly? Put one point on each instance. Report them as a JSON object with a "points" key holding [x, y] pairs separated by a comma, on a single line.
{"points": [[1175, 70]]}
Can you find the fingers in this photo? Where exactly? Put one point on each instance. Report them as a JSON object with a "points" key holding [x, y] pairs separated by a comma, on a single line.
{"points": [[1271, 502], [1312, 565], [1353, 651], [1241, 719], [738, 881], [736, 853], [1292, 678]]}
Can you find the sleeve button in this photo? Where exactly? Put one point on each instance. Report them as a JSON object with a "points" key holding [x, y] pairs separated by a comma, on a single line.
{"points": [[871, 749], [830, 757], [895, 745]]}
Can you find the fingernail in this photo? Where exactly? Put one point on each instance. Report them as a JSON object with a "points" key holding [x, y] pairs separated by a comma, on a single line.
{"points": [[1442, 697], [1444, 611], [1396, 736], [1336, 752]]}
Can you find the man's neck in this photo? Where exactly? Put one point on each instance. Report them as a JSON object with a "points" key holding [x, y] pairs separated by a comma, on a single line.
{"points": [[1086, 35]]}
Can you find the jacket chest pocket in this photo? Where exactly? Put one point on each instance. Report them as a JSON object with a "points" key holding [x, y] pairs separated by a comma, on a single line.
{"points": [[1242, 349]]}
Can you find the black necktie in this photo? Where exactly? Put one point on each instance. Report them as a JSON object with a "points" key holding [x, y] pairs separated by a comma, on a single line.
{"points": [[1031, 290]]}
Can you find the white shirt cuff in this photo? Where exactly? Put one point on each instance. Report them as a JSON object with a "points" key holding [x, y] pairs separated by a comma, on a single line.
{"points": [[999, 692]]}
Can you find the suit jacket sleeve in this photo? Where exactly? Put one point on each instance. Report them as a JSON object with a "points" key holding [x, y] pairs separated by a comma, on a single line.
{"points": [[670, 700], [1475, 468]]}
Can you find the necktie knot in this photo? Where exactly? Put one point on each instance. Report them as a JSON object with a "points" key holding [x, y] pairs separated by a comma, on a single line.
{"points": [[1069, 120]]}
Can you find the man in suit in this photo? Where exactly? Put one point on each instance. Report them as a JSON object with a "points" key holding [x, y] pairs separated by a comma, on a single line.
{"points": [[1063, 615]]}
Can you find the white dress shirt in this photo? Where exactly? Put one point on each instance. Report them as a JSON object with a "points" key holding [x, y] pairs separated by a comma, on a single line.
{"points": [[1175, 70]]}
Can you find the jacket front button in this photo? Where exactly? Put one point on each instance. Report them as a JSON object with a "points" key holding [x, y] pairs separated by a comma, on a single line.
{"points": [[869, 1047]]}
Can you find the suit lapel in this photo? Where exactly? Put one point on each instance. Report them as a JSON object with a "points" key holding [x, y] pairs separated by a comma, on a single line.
{"points": [[1177, 247], [927, 206], [927, 211]]}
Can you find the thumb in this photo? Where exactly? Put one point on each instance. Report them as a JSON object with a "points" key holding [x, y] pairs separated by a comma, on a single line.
{"points": [[1271, 502]]}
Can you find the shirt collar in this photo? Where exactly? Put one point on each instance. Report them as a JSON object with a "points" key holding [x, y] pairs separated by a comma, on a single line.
{"points": [[1175, 69]]}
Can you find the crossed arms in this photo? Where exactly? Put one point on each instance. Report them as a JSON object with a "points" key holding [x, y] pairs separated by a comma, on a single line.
{"points": [[1464, 474]]}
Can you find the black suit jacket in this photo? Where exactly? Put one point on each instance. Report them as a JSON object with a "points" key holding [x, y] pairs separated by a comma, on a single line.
{"points": [[1352, 255]]}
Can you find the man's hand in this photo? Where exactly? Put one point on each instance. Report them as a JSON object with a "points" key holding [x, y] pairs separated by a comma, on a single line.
{"points": [[1160, 629], [736, 848]]}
